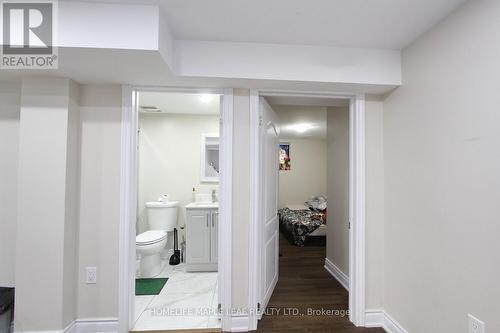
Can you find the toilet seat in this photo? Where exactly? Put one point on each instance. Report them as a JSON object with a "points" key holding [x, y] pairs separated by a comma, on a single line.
{"points": [[150, 237]]}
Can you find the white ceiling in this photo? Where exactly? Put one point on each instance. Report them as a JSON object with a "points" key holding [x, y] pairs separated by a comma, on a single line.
{"points": [[391, 24], [179, 103], [290, 116]]}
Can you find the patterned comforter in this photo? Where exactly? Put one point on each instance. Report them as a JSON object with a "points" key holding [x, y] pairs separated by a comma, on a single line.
{"points": [[297, 224]]}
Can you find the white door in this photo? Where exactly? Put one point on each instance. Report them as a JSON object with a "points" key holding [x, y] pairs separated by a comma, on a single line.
{"points": [[269, 152]]}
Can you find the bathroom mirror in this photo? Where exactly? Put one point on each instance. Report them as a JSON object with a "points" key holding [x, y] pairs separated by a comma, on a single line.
{"points": [[210, 158]]}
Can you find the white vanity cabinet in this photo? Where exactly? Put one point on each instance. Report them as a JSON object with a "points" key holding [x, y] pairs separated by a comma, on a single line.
{"points": [[201, 238]]}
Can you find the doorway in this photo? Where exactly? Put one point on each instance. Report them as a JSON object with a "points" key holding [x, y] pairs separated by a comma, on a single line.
{"points": [[264, 228], [186, 284]]}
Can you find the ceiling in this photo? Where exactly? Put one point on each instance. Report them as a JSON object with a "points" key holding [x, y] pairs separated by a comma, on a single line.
{"points": [[179, 103], [292, 116], [391, 24]]}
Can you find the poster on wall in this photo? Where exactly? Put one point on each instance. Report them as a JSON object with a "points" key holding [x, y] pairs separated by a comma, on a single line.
{"points": [[285, 156]]}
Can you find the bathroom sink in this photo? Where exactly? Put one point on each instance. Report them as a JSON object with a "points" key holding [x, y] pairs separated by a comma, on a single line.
{"points": [[203, 205]]}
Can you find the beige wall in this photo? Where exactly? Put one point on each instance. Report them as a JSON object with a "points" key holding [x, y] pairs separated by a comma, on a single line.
{"points": [[307, 176], [47, 186], [170, 159], [71, 212], [337, 237], [99, 199], [10, 104], [338, 196], [442, 185]]}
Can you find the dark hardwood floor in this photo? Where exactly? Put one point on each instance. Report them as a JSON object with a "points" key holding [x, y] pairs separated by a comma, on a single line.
{"points": [[304, 284]]}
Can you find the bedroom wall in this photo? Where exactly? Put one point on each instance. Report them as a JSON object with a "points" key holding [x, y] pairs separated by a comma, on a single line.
{"points": [[307, 176], [10, 108], [442, 176], [170, 158], [337, 238]]}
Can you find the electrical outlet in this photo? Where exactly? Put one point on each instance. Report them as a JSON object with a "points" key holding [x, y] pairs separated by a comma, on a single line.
{"points": [[475, 325], [91, 275]]}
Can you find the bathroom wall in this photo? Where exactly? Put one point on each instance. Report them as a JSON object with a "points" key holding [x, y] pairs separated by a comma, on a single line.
{"points": [[10, 101], [307, 175], [170, 158]]}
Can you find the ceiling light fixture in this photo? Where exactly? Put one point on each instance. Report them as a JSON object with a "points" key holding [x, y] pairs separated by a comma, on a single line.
{"points": [[301, 128]]}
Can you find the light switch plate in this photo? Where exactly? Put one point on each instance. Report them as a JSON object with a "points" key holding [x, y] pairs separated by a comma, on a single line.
{"points": [[476, 325], [91, 275]]}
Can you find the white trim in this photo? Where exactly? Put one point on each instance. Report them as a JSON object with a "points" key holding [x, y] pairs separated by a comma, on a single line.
{"points": [[71, 328], [253, 241], [356, 199], [52, 331], [93, 325], [379, 318], [340, 276], [357, 210], [128, 207], [128, 201], [225, 237], [87, 325], [240, 323], [203, 159]]}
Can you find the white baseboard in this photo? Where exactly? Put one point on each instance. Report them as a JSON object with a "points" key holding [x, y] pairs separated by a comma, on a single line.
{"points": [[69, 329], [240, 323], [337, 273], [96, 325], [379, 318], [88, 325]]}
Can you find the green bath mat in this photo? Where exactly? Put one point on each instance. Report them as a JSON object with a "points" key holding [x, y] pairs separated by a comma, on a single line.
{"points": [[145, 287]]}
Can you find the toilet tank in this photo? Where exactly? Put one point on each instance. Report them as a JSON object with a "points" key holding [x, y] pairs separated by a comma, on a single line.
{"points": [[162, 215]]}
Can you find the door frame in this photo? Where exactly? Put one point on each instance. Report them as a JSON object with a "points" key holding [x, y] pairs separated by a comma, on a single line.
{"points": [[356, 200], [128, 200]]}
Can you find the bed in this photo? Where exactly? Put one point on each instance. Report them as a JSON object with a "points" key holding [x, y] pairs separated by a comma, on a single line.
{"points": [[298, 222]]}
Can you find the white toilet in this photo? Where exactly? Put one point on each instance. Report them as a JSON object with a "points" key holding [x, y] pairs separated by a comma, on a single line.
{"points": [[162, 218]]}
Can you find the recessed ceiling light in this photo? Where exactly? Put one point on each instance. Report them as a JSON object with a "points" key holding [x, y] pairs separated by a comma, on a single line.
{"points": [[301, 128], [206, 98]]}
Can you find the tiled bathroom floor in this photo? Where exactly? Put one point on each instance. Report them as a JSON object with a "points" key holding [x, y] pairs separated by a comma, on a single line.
{"points": [[187, 301]]}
